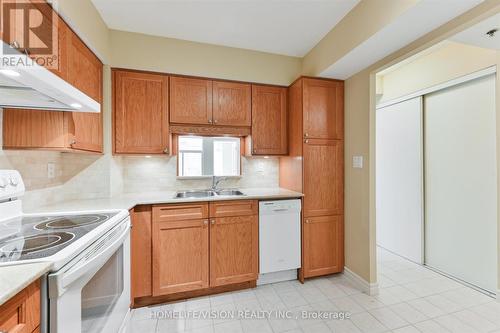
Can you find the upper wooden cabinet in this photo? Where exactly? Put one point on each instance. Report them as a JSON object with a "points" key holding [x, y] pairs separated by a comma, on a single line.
{"points": [[140, 112], [206, 102], [85, 69], [34, 129], [269, 120], [231, 104], [190, 100], [323, 103]]}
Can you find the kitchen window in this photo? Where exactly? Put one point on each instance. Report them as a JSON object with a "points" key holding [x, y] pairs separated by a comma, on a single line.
{"points": [[208, 156]]}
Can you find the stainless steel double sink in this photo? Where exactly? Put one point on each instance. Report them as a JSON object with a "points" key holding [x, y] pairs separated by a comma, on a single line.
{"points": [[207, 193]]}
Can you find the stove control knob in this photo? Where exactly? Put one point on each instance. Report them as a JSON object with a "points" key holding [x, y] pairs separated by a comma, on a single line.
{"points": [[14, 181]]}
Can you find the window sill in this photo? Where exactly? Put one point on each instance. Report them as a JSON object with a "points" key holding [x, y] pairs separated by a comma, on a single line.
{"points": [[204, 177]]}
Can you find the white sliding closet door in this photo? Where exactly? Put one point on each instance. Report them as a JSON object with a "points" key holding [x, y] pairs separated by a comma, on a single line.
{"points": [[399, 178], [461, 182]]}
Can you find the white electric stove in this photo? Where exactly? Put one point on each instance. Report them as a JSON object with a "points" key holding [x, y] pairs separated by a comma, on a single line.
{"points": [[89, 251]]}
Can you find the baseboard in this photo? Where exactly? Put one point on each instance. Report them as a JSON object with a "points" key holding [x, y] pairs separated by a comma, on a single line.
{"points": [[363, 285]]}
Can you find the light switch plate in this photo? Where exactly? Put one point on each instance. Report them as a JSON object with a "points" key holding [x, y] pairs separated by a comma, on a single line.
{"points": [[357, 162]]}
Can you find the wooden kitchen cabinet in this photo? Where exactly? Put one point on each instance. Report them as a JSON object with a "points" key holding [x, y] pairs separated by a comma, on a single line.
{"points": [[190, 100], [140, 112], [141, 250], [323, 177], [269, 120], [199, 246], [323, 246], [315, 167], [180, 251], [234, 250], [21, 314], [234, 244], [58, 130], [323, 102], [232, 104]]}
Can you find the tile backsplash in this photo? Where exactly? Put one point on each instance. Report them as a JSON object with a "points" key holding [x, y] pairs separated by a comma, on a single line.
{"points": [[159, 173], [83, 176]]}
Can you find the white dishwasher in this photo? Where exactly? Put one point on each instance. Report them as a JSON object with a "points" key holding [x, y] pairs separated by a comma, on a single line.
{"points": [[279, 240]]}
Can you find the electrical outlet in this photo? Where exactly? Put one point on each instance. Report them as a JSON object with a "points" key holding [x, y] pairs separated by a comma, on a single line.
{"points": [[51, 170]]}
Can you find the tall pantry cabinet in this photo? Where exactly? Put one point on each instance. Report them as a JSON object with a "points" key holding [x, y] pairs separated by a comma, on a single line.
{"points": [[315, 167]]}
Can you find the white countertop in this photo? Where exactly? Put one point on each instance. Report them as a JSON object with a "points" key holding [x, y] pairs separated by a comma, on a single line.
{"points": [[129, 200], [15, 278]]}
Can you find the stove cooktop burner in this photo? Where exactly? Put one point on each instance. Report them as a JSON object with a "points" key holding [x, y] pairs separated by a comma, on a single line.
{"points": [[68, 222], [25, 245]]}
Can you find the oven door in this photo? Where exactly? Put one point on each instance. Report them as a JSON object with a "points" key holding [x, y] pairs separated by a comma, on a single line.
{"points": [[92, 292]]}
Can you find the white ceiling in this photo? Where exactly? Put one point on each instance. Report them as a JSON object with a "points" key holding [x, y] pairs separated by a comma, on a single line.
{"points": [[288, 27], [476, 35], [420, 19]]}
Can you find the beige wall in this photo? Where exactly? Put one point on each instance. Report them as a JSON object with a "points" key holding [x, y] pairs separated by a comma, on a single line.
{"points": [[447, 61], [138, 51]]}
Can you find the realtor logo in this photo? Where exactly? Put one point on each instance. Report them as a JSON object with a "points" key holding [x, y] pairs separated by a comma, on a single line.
{"points": [[30, 28]]}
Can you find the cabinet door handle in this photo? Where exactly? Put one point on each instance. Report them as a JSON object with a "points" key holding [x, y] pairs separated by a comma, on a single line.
{"points": [[209, 121], [73, 142], [306, 135], [205, 222], [306, 141], [307, 221], [165, 150], [213, 222], [215, 121]]}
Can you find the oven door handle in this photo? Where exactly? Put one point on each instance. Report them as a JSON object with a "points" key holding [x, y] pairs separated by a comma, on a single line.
{"points": [[93, 258]]}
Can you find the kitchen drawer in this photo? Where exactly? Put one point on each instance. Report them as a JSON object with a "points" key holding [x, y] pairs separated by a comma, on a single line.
{"points": [[165, 213], [21, 314], [234, 208]]}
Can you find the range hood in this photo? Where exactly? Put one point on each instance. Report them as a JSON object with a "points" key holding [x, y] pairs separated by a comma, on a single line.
{"points": [[30, 86]]}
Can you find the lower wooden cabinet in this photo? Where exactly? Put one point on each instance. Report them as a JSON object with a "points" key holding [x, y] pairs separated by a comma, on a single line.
{"points": [[323, 245], [21, 314], [234, 249], [140, 254], [193, 249]]}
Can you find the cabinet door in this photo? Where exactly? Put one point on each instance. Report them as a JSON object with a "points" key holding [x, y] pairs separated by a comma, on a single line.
{"points": [[232, 104], [323, 177], [180, 256], [140, 112], [323, 109], [323, 248], [141, 244], [35, 129], [21, 314], [85, 70], [269, 121], [190, 101], [86, 130], [234, 249]]}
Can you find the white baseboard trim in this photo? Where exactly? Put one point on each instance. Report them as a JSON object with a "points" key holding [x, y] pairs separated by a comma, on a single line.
{"points": [[363, 285]]}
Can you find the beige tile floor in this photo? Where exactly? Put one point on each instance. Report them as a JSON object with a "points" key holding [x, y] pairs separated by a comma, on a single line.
{"points": [[411, 299]]}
